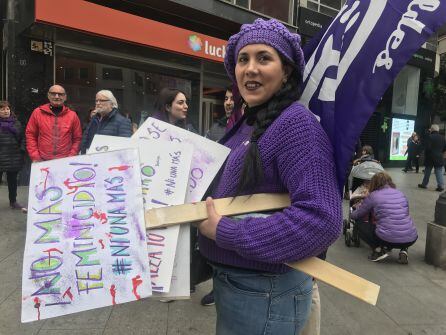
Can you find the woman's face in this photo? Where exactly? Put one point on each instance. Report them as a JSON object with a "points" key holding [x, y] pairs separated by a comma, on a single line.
{"points": [[178, 110], [103, 104], [229, 103], [5, 112], [259, 73]]}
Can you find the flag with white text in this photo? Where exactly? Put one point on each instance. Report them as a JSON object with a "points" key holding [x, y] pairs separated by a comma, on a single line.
{"points": [[356, 60]]}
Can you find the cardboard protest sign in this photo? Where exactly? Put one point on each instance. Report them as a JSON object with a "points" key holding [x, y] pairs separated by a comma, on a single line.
{"points": [[85, 243], [180, 283], [164, 173], [207, 159], [104, 143]]}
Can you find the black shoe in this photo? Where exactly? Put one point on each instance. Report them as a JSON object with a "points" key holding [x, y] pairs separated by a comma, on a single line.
{"points": [[421, 186], [377, 256], [208, 299], [404, 170], [439, 189]]}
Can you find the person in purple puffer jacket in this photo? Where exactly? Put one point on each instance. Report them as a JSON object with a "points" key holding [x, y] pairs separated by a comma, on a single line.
{"points": [[278, 146], [391, 225]]}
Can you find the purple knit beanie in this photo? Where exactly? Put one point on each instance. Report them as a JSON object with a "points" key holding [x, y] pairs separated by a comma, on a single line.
{"points": [[272, 33]]}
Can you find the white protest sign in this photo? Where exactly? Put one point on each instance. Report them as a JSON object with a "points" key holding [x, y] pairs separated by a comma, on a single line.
{"points": [[164, 173], [104, 143], [208, 156], [86, 242], [180, 286]]}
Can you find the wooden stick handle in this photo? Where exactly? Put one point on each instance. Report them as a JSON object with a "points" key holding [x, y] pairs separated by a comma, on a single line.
{"points": [[328, 273], [341, 279], [173, 215]]}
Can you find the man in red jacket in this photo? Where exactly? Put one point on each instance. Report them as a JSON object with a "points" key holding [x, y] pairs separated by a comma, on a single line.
{"points": [[54, 130]]}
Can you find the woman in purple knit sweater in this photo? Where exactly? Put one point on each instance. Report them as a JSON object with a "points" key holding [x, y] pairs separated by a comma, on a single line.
{"points": [[392, 226], [278, 146]]}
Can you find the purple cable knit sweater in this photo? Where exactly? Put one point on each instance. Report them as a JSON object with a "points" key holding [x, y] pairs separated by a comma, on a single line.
{"points": [[297, 158]]}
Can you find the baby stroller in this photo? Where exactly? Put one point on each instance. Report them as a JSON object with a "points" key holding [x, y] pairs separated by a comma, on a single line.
{"points": [[359, 177]]}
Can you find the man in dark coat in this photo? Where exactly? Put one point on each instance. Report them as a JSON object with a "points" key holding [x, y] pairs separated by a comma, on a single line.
{"points": [[107, 120], [433, 157]]}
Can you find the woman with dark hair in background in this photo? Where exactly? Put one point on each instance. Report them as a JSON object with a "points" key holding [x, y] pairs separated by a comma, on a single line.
{"points": [[173, 108], [12, 149]]}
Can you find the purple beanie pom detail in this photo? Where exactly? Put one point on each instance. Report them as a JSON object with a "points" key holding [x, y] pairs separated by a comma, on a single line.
{"points": [[272, 33]]}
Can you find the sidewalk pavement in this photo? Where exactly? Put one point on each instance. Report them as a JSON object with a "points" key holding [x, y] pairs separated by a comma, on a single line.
{"points": [[412, 299]]}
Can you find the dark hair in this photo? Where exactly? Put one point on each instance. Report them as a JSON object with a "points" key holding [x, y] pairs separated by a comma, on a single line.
{"points": [[252, 171], [4, 103], [380, 180], [166, 98], [228, 89]]}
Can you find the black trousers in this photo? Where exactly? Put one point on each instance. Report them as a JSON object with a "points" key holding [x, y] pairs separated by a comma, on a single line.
{"points": [[412, 159], [367, 233], [11, 177]]}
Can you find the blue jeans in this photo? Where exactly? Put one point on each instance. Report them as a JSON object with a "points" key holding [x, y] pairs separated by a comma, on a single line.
{"points": [[256, 303], [438, 174]]}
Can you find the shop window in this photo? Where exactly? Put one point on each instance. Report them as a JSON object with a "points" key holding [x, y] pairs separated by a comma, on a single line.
{"points": [[328, 11], [138, 80], [327, 7], [278, 9], [83, 73], [135, 85], [332, 3], [242, 3], [69, 73], [405, 91], [111, 74]]}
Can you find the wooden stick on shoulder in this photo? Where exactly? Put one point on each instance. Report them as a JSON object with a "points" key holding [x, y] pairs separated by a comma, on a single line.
{"points": [[321, 270]]}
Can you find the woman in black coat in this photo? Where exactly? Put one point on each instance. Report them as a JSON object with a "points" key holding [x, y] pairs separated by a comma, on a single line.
{"points": [[11, 150]]}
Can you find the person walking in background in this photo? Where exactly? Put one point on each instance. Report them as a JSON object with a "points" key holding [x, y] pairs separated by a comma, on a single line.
{"points": [[53, 130], [391, 225], [106, 121], [433, 158], [11, 151], [277, 146], [173, 108], [218, 129], [413, 153]]}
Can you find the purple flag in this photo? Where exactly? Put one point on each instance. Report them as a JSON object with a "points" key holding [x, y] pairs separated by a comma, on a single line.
{"points": [[356, 60]]}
